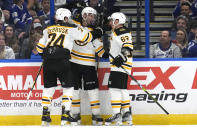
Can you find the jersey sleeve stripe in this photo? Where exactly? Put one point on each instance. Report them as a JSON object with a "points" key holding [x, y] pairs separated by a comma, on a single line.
{"points": [[128, 45], [99, 48], [40, 45], [85, 37], [84, 54], [101, 52], [39, 50]]}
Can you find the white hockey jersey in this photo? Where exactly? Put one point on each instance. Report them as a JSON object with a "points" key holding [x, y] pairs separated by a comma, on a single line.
{"points": [[84, 53], [121, 38], [173, 51], [62, 36]]}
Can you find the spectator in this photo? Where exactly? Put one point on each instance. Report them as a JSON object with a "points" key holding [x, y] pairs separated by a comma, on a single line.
{"points": [[181, 40], [177, 10], [192, 46], [32, 13], [6, 14], [5, 51], [186, 11], [103, 10], [11, 40], [33, 54], [34, 5], [27, 43], [6, 4], [2, 17], [6, 8], [165, 48], [181, 22], [21, 18], [194, 10], [1, 26], [45, 12], [37, 27], [59, 3]]}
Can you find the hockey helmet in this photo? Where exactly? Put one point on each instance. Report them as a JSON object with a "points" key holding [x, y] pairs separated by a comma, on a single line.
{"points": [[61, 13], [88, 10], [118, 16]]}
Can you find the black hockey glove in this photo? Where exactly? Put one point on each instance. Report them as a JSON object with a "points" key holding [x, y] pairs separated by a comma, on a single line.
{"points": [[119, 60], [97, 33]]}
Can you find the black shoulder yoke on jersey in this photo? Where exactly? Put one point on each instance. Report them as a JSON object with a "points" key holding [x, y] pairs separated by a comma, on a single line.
{"points": [[122, 30], [65, 24]]}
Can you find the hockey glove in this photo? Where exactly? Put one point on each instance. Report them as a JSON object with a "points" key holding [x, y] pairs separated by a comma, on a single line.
{"points": [[119, 60], [127, 51], [97, 33]]}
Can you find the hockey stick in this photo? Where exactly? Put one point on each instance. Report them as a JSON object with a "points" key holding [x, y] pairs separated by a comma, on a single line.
{"points": [[34, 81], [143, 88]]}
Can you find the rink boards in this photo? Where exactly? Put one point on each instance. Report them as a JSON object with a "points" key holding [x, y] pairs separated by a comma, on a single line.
{"points": [[172, 83]]}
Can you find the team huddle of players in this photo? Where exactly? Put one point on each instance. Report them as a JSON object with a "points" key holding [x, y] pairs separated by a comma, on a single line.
{"points": [[69, 50]]}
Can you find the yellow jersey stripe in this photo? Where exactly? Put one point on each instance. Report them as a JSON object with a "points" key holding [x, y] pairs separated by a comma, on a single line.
{"points": [[83, 54], [85, 37], [127, 101], [76, 22], [95, 107], [99, 48], [44, 102], [66, 96], [45, 97], [93, 102], [41, 45], [127, 106], [64, 101], [114, 33], [116, 106], [78, 100], [128, 45], [75, 105], [90, 37], [101, 53], [39, 50], [116, 101], [83, 59], [126, 67], [129, 63]]}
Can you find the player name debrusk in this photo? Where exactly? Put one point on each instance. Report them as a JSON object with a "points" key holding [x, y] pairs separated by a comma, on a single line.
{"points": [[56, 29]]}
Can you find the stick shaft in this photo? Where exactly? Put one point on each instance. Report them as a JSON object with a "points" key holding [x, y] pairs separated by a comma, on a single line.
{"points": [[35, 81]]}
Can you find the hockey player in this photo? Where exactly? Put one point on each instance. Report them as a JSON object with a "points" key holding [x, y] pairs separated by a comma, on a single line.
{"points": [[121, 49], [83, 65], [55, 47]]}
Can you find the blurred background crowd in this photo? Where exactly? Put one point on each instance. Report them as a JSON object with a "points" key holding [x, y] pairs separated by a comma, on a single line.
{"points": [[22, 23]]}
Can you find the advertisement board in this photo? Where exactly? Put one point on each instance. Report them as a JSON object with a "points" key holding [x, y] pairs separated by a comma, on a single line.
{"points": [[172, 83]]}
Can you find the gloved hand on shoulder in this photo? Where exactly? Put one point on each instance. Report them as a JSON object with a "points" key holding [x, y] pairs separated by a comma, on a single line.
{"points": [[97, 33]]}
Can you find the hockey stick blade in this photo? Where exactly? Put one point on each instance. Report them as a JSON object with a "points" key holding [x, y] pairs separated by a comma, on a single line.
{"points": [[143, 88]]}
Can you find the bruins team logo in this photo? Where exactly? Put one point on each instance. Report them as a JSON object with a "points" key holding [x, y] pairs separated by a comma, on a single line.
{"points": [[80, 43]]}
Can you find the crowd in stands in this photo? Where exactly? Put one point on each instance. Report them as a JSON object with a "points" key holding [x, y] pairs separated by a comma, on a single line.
{"points": [[182, 34], [22, 23]]}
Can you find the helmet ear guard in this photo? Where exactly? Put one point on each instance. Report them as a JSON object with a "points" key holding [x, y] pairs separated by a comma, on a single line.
{"points": [[61, 13]]}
